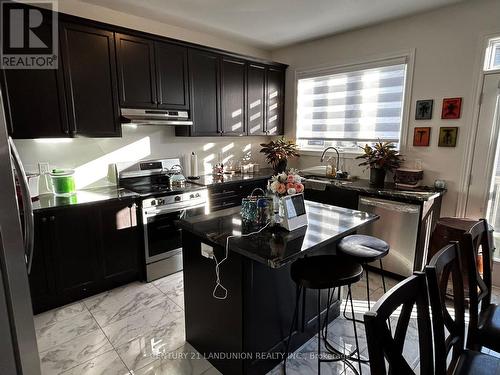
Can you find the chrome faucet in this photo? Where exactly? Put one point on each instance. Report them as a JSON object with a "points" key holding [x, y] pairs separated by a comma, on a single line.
{"points": [[338, 156]]}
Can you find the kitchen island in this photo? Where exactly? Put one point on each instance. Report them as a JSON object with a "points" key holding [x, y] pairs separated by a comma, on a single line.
{"points": [[246, 333]]}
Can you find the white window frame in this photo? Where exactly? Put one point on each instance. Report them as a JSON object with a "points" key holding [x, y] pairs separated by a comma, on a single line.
{"points": [[366, 63], [490, 55]]}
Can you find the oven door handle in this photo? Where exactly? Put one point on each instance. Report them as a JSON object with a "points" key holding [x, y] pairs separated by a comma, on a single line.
{"points": [[150, 213]]}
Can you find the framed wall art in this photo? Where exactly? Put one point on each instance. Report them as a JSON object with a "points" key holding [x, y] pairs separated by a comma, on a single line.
{"points": [[423, 109], [451, 108], [421, 136], [448, 136]]}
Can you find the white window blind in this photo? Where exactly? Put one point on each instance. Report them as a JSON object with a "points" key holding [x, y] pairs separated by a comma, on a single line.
{"points": [[351, 108]]}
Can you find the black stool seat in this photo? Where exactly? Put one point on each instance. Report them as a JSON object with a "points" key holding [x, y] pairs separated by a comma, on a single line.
{"points": [[364, 249], [325, 271]]}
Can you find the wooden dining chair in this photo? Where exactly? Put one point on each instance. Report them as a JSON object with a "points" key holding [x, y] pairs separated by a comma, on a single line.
{"points": [[444, 265], [382, 346], [484, 322]]}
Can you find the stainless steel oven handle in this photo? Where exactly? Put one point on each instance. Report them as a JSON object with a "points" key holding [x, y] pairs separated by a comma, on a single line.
{"points": [[153, 212]]}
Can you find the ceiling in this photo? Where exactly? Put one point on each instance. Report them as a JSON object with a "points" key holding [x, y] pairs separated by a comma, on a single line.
{"points": [[271, 24]]}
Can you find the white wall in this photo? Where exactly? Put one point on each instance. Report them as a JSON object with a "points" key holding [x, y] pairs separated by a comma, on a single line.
{"points": [[447, 44], [90, 157]]}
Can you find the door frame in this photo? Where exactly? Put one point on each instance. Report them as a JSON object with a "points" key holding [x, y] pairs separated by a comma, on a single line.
{"points": [[467, 160], [490, 153]]}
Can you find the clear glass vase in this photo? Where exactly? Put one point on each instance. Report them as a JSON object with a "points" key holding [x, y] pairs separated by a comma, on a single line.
{"points": [[278, 210]]}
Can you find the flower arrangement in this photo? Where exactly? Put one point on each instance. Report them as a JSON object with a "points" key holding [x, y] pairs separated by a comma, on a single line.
{"points": [[283, 183]]}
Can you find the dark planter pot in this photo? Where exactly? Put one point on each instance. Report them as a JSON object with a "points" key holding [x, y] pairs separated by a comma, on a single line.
{"points": [[377, 177], [280, 166]]}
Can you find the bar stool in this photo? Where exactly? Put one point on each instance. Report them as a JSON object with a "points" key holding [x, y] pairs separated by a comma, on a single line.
{"points": [[326, 272], [364, 249]]}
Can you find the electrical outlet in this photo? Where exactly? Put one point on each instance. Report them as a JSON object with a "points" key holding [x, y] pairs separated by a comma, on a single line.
{"points": [[207, 251], [43, 167]]}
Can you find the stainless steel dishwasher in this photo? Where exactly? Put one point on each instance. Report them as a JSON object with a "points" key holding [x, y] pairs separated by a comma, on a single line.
{"points": [[398, 226]]}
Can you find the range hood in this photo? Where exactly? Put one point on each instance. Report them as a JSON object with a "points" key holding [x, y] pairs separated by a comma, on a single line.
{"points": [[154, 117]]}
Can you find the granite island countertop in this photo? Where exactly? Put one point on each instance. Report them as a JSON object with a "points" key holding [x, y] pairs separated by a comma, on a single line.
{"points": [[83, 197], [276, 247]]}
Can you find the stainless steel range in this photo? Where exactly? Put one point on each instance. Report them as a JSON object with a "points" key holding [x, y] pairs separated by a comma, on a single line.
{"points": [[166, 198]]}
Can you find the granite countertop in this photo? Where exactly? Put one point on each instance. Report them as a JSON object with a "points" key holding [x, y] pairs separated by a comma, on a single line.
{"points": [[390, 190], [210, 180], [276, 247], [81, 197]]}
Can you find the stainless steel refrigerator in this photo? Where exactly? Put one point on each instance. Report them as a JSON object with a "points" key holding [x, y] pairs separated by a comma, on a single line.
{"points": [[18, 346]]}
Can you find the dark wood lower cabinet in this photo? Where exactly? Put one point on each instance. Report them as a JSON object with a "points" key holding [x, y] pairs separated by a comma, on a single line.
{"points": [[254, 319], [81, 251], [230, 194], [120, 239], [75, 251]]}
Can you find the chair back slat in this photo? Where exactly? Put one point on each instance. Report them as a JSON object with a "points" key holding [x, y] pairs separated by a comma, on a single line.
{"points": [[476, 238], [382, 346], [445, 265]]}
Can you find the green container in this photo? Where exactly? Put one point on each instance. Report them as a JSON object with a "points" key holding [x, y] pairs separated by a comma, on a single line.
{"points": [[63, 181]]}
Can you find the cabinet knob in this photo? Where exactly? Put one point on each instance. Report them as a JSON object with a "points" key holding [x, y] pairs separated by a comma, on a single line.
{"points": [[44, 219], [52, 218]]}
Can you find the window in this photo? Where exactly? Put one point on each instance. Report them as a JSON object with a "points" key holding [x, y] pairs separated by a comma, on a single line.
{"points": [[351, 108], [492, 60]]}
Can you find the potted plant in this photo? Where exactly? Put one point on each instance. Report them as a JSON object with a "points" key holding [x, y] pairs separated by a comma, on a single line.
{"points": [[380, 158], [278, 152]]}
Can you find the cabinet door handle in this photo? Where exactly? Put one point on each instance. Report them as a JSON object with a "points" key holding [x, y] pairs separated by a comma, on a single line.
{"points": [[44, 219], [52, 218]]}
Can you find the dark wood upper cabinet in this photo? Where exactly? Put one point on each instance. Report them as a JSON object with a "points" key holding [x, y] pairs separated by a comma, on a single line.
{"points": [[256, 91], [204, 77], [34, 101], [103, 69], [275, 101], [172, 76], [136, 72], [91, 83], [233, 97]]}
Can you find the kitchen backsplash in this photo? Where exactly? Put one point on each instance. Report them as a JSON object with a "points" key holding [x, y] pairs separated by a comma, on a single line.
{"points": [[91, 157]]}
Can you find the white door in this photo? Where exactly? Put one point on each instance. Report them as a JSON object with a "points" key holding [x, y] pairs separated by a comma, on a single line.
{"points": [[483, 199]]}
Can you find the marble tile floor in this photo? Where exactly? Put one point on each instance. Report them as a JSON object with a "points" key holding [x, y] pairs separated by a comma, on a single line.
{"points": [[138, 329]]}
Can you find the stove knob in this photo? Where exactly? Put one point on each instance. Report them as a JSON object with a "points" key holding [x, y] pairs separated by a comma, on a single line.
{"points": [[177, 198], [161, 201], [198, 195], [191, 196], [153, 202]]}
